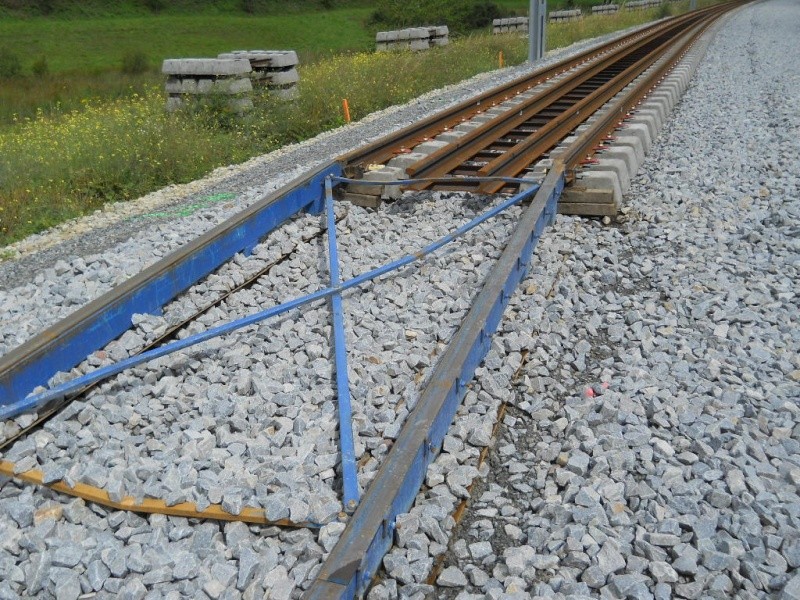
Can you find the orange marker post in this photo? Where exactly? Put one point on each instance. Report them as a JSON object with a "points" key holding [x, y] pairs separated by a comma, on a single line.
{"points": [[346, 108], [500, 59]]}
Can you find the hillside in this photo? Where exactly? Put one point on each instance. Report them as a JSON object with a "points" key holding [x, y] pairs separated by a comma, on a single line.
{"points": [[123, 8]]}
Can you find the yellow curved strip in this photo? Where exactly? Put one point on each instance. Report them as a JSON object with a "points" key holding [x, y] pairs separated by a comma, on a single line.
{"points": [[148, 505]]}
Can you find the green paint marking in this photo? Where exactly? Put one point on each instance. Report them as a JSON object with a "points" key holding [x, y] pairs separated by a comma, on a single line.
{"points": [[185, 211]]}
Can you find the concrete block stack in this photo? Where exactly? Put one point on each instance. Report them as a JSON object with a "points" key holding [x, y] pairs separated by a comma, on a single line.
{"points": [[642, 4], [510, 25], [440, 35], [605, 9], [414, 38], [193, 78], [275, 69], [561, 16]]}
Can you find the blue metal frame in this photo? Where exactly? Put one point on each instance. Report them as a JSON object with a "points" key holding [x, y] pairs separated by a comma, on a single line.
{"points": [[398, 481], [65, 345], [58, 392]]}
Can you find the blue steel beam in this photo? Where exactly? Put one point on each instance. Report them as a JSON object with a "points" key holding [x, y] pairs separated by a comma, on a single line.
{"points": [[67, 343], [358, 554], [346, 443]]}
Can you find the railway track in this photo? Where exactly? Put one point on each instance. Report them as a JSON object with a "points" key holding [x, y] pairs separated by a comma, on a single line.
{"points": [[505, 132], [493, 144]]}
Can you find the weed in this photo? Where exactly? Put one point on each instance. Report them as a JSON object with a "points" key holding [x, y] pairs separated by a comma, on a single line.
{"points": [[10, 64], [459, 15], [155, 5], [135, 63], [40, 66]]}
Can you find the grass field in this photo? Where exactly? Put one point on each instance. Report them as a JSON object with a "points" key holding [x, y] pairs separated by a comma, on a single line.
{"points": [[69, 158], [95, 45]]}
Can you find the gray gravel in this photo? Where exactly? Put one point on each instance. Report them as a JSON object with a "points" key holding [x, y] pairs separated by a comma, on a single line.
{"points": [[255, 424], [650, 448], [173, 430], [678, 478]]}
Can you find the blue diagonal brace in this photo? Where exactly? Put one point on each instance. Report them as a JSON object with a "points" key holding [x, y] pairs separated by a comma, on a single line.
{"points": [[346, 444]]}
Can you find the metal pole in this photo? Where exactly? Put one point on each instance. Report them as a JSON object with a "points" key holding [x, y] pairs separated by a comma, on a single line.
{"points": [[693, 5], [537, 17], [346, 441]]}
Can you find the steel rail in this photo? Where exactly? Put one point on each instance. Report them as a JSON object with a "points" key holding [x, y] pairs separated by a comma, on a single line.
{"points": [[383, 149], [358, 554], [521, 156], [517, 159], [453, 155], [386, 147], [587, 141], [460, 359]]}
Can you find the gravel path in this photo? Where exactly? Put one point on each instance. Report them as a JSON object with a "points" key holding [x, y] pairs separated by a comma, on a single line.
{"points": [[651, 446]]}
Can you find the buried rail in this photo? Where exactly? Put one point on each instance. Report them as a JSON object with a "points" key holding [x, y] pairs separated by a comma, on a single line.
{"points": [[188, 510]]}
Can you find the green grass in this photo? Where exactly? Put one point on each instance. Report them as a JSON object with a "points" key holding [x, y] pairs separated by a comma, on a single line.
{"points": [[56, 94], [84, 57], [96, 45]]}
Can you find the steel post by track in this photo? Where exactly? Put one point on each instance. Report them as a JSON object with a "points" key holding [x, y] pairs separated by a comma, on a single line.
{"points": [[537, 30]]}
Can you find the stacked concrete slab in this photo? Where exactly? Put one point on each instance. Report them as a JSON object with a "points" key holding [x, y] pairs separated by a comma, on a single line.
{"points": [[414, 38], [510, 25], [193, 78], [560, 16], [604, 9], [274, 69], [642, 4]]}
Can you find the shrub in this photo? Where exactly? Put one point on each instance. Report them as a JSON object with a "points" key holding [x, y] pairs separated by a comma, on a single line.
{"points": [[135, 63], [459, 15], [10, 64], [155, 5], [40, 66], [481, 14], [47, 7]]}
